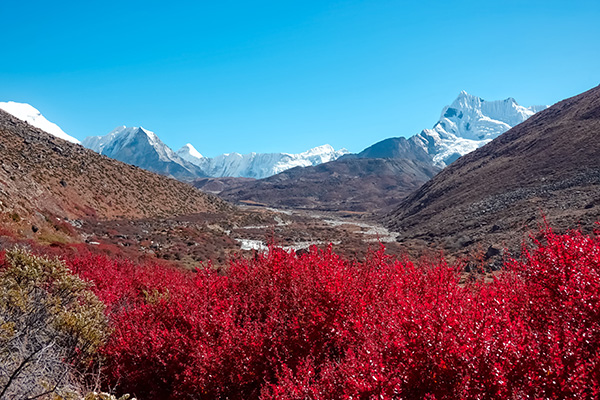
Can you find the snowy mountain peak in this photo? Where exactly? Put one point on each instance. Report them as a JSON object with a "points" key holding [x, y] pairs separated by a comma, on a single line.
{"points": [[193, 150], [142, 147], [324, 149], [258, 165], [152, 138], [468, 123], [32, 116], [189, 153], [465, 95]]}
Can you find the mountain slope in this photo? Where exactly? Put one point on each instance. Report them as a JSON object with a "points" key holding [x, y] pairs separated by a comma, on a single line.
{"points": [[399, 147], [347, 184], [258, 165], [42, 176], [548, 164], [33, 117], [141, 147]]}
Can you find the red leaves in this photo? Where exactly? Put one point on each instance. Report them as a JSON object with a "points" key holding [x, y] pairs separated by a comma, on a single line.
{"points": [[283, 326]]}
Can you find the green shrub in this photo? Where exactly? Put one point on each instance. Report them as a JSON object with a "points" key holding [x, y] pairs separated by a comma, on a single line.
{"points": [[50, 323]]}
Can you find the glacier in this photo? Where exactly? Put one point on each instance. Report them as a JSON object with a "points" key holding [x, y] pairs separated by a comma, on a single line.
{"points": [[33, 117]]}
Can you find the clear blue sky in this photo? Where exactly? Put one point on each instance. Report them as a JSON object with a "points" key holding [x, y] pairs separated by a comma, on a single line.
{"points": [[271, 76]]}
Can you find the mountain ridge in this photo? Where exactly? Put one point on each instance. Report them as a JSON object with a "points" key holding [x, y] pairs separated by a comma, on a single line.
{"points": [[347, 184]]}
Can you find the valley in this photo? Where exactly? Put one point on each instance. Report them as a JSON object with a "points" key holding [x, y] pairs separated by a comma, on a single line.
{"points": [[70, 195], [306, 200], [216, 284], [348, 200]]}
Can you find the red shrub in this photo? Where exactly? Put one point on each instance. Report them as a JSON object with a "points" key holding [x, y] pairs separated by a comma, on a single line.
{"points": [[283, 326]]}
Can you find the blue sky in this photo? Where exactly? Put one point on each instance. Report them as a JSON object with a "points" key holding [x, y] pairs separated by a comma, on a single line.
{"points": [[272, 76]]}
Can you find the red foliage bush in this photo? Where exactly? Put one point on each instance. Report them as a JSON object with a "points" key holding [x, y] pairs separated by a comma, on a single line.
{"points": [[283, 326]]}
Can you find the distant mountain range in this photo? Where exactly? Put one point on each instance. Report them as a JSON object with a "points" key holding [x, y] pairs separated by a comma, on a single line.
{"points": [[141, 147], [382, 174], [258, 165], [467, 124]]}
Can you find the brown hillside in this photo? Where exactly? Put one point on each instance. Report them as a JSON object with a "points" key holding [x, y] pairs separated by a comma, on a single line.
{"points": [[348, 184], [43, 176], [549, 164]]}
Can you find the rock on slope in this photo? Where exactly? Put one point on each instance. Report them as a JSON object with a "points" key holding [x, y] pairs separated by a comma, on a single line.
{"points": [[548, 164], [42, 176]]}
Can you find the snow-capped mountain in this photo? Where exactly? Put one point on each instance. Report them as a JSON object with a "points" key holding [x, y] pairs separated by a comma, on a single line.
{"points": [[189, 153], [258, 165], [32, 116], [141, 147], [469, 123]]}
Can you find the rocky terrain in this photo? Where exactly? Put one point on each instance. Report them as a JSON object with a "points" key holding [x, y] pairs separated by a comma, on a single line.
{"points": [[486, 200]]}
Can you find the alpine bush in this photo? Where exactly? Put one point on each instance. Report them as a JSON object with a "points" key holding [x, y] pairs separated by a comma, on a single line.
{"points": [[315, 326]]}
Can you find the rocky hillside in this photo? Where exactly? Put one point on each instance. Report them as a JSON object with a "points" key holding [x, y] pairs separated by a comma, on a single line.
{"points": [[42, 176], [348, 184], [547, 165], [62, 194]]}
